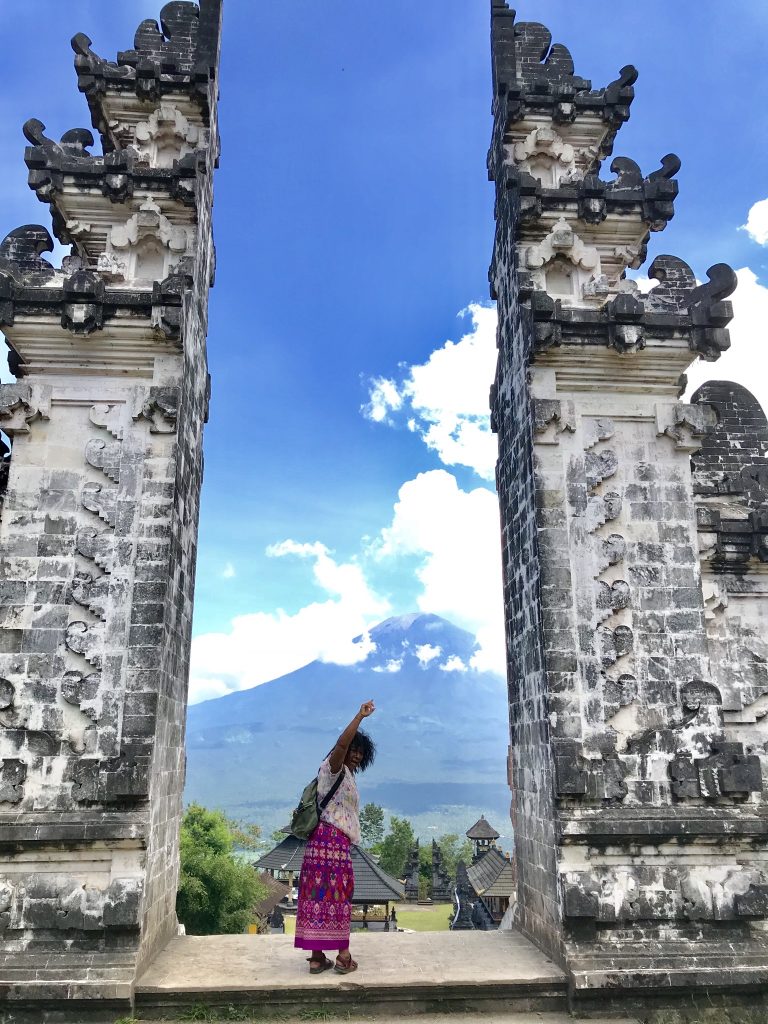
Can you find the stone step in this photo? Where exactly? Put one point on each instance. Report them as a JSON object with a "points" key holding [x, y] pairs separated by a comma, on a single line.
{"points": [[399, 974], [477, 1017]]}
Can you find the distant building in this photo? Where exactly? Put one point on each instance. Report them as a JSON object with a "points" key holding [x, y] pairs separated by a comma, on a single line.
{"points": [[488, 886], [442, 887], [373, 886], [465, 898], [267, 913], [412, 871], [483, 836]]}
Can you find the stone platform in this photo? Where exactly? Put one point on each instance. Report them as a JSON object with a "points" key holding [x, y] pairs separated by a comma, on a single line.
{"points": [[421, 972]]}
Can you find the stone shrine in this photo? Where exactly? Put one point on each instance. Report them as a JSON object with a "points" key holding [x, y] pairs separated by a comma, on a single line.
{"points": [[635, 559], [412, 874], [99, 514], [441, 890]]}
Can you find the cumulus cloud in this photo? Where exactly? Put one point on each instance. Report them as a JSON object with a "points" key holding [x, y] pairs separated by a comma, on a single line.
{"points": [[456, 535], [384, 398], [426, 653], [757, 222], [264, 645], [228, 572], [746, 361], [446, 398], [393, 665], [453, 664]]}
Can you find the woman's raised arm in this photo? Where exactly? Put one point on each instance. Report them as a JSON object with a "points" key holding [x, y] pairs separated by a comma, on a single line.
{"points": [[339, 752]]}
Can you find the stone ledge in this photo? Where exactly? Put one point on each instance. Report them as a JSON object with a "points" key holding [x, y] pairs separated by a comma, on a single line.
{"points": [[51, 828], [403, 974], [660, 823]]}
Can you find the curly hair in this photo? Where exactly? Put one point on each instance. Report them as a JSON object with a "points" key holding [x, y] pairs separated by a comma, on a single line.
{"points": [[363, 742]]}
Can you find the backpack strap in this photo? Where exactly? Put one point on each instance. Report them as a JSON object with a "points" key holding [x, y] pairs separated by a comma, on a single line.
{"points": [[322, 804]]}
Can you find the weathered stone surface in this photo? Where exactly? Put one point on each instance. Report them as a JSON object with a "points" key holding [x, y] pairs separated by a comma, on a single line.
{"points": [[633, 541], [99, 508]]}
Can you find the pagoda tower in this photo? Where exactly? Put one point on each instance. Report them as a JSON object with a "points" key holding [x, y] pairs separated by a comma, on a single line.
{"points": [[483, 836]]}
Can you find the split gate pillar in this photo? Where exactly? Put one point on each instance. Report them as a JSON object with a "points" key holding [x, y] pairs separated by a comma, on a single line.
{"points": [[98, 520], [634, 550]]}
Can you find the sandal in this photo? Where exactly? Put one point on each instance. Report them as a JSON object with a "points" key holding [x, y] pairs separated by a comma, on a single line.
{"points": [[318, 966], [345, 966]]}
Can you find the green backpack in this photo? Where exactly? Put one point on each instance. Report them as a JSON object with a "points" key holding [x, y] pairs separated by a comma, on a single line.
{"points": [[306, 817]]}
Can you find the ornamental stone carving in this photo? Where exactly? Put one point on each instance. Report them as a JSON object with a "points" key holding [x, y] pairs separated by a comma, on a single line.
{"points": [[166, 136], [146, 245]]}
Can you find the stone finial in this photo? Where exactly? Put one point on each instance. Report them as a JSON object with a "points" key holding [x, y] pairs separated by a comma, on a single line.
{"points": [[74, 142], [21, 251], [525, 59], [677, 291]]}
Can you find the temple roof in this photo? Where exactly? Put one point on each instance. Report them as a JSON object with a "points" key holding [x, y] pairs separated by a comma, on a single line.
{"points": [[493, 875], [275, 892], [482, 830], [372, 883]]}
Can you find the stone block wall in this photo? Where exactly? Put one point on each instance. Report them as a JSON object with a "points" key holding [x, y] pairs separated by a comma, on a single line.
{"points": [[530, 778], [630, 523], [98, 522]]}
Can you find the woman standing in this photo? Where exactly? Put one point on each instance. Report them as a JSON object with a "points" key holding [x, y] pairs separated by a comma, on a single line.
{"points": [[327, 881]]}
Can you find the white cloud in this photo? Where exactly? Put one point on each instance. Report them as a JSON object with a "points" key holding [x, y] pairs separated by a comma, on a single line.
{"points": [[453, 664], [746, 361], [456, 533], [264, 645], [393, 665], [757, 222], [384, 398], [228, 572], [447, 397], [427, 653]]}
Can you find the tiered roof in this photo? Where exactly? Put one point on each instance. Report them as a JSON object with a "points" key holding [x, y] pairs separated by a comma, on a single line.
{"points": [[482, 829], [372, 883], [493, 875]]}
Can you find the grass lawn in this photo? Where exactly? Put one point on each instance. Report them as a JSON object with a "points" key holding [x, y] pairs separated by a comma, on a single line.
{"points": [[426, 919], [434, 919]]}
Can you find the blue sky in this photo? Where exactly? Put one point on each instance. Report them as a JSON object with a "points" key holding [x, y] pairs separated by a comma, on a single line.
{"points": [[354, 221]]}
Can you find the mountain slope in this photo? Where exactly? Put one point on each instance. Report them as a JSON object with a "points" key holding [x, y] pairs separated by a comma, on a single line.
{"points": [[441, 734]]}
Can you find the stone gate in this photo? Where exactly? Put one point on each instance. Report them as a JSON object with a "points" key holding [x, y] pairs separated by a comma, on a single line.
{"points": [[99, 513], [634, 532], [635, 552]]}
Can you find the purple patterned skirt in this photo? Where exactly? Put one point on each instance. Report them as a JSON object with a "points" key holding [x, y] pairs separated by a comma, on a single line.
{"points": [[326, 885]]}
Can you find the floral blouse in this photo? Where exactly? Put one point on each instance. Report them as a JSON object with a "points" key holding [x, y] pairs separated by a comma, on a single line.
{"points": [[343, 810]]}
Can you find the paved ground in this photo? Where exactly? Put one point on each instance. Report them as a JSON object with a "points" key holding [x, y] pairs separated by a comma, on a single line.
{"points": [[237, 962], [460, 1018]]}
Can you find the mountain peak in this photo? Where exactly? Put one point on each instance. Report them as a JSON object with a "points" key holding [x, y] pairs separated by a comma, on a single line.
{"points": [[405, 623], [422, 637]]}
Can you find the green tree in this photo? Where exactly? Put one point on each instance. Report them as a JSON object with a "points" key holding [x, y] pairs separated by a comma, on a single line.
{"points": [[245, 835], [372, 824], [217, 892], [454, 849], [394, 848]]}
